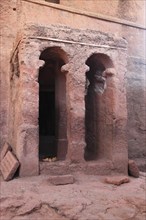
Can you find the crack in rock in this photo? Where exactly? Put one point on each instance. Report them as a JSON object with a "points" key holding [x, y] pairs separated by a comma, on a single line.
{"points": [[29, 208]]}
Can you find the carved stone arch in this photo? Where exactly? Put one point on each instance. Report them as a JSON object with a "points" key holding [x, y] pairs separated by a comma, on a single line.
{"points": [[52, 104], [98, 105]]}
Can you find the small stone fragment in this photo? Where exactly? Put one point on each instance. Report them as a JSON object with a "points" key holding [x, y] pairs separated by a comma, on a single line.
{"points": [[117, 180], [45, 159], [133, 169], [48, 159], [54, 159], [61, 180]]}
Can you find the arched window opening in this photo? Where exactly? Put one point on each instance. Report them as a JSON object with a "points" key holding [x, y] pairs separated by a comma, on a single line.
{"points": [[95, 105], [52, 105]]}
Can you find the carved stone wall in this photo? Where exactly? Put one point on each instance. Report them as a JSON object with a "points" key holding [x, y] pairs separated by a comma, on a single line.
{"points": [[14, 98], [78, 46], [107, 20]]}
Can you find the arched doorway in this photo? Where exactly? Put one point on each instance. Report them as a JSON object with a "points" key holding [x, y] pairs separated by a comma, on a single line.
{"points": [[52, 105], [96, 107]]}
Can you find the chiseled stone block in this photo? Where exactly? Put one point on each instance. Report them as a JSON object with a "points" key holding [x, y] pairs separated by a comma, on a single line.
{"points": [[9, 165], [6, 147], [61, 180]]}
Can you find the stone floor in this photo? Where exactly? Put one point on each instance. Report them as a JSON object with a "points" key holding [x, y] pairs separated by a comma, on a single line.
{"points": [[88, 198]]}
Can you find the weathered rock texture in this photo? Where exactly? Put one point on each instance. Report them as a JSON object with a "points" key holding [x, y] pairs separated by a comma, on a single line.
{"points": [[8, 32], [74, 48], [133, 169], [19, 73], [88, 198], [128, 10], [117, 180], [61, 180], [136, 96]]}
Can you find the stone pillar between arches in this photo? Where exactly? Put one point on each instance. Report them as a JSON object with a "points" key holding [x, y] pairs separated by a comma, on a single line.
{"points": [[75, 110]]}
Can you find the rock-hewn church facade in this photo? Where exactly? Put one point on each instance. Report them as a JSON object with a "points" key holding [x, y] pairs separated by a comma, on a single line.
{"points": [[73, 85]]}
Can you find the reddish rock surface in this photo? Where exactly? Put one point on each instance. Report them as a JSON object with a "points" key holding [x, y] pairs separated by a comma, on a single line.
{"points": [[19, 103], [61, 180], [117, 180], [89, 125], [4, 150], [88, 198], [133, 169]]}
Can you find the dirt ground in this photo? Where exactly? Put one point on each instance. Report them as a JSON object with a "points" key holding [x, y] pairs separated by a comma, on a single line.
{"points": [[88, 198]]}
